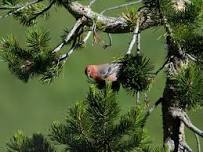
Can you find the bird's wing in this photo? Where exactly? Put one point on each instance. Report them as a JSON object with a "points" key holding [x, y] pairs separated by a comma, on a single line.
{"points": [[110, 71]]}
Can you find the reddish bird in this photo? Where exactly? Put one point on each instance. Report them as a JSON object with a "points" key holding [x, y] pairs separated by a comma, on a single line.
{"points": [[104, 72]]}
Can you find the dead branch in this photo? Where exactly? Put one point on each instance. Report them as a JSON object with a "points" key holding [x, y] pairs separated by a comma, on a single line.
{"points": [[112, 24], [66, 55], [134, 38], [70, 34], [109, 44], [178, 113]]}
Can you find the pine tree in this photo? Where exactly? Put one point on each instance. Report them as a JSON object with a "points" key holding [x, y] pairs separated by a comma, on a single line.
{"points": [[93, 125], [96, 124]]}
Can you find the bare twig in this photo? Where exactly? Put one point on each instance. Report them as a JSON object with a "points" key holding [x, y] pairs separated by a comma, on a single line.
{"points": [[198, 143], [120, 6], [138, 43], [87, 37], [70, 34], [91, 3], [186, 147], [134, 38], [66, 55], [191, 57], [162, 67], [110, 41], [155, 105], [94, 31], [18, 9]]}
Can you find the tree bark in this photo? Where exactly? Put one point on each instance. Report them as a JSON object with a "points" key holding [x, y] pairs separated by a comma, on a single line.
{"points": [[150, 18], [173, 127]]}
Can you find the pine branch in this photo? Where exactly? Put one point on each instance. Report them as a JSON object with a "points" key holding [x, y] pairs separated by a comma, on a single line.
{"points": [[136, 73], [37, 143], [112, 24], [34, 61], [18, 8], [96, 125], [42, 11]]}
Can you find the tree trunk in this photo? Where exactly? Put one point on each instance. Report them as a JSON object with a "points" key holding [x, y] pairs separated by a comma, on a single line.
{"points": [[173, 128]]}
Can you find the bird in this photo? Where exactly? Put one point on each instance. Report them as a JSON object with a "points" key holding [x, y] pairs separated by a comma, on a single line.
{"points": [[102, 73]]}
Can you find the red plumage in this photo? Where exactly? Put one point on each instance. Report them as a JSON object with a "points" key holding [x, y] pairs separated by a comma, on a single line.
{"points": [[103, 72]]}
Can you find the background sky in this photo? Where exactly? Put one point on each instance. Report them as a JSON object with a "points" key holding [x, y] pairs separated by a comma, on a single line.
{"points": [[33, 106]]}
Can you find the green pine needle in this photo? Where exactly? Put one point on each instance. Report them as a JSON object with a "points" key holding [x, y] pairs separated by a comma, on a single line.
{"points": [[37, 39], [189, 86], [96, 125], [11, 2], [36, 143], [27, 16], [35, 61], [136, 73]]}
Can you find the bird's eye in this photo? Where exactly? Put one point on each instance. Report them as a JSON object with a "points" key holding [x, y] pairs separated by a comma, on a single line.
{"points": [[88, 70]]}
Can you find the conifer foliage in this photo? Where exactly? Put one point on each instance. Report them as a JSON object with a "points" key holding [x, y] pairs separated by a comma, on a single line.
{"points": [[34, 61], [97, 124], [93, 125], [136, 73], [37, 143], [189, 87]]}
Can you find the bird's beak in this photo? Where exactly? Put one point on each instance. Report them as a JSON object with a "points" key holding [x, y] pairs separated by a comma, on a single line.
{"points": [[90, 78]]}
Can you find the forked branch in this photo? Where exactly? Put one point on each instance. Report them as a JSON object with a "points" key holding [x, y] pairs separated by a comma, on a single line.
{"points": [[78, 23], [66, 55], [186, 120], [112, 24]]}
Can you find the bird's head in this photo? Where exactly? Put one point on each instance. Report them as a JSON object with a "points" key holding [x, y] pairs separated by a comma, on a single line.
{"points": [[91, 71]]}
